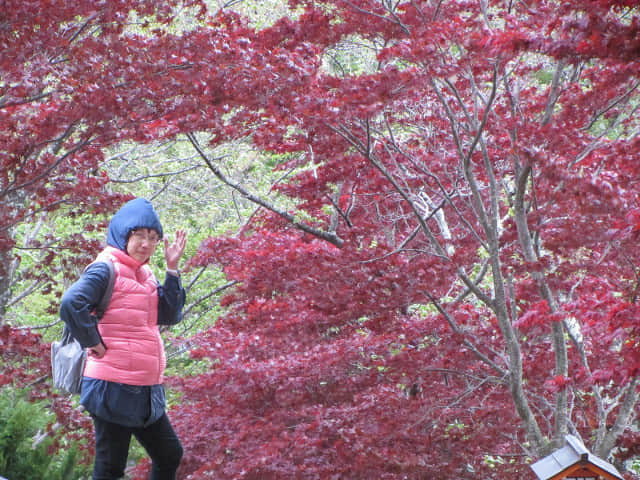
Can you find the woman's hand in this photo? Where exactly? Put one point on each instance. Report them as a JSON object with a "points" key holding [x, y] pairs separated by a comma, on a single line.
{"points": [[173, 251], [98, 350]]}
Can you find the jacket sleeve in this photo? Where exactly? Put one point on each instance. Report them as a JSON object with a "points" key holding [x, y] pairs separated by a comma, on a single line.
{"points": [[81, 299], [171, 299]]}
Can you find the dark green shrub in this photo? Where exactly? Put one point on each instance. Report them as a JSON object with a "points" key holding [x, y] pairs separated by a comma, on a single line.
{"points": [[29, 446]]}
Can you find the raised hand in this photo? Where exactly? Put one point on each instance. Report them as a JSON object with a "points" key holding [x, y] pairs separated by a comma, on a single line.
{"points": [[174, 250]]}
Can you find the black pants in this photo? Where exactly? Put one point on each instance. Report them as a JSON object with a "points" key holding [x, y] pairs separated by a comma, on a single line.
{"points": [[112, 449]]}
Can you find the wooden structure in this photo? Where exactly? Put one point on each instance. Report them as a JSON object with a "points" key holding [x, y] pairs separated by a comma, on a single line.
{"points": [[574, 462]]}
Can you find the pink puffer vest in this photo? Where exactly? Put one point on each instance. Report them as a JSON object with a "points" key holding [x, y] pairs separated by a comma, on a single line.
{"points": [[129, 327]]}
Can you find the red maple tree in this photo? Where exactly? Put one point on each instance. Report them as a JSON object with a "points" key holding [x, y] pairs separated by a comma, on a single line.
{"points": [[72, 86], [456, 289], [462, 291]]}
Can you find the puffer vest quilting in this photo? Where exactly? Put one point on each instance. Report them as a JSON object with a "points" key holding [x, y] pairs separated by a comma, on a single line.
{"points": [[129, 327]]}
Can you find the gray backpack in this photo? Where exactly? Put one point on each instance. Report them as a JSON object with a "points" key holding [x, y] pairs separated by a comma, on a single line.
{"points": [[67, 355]]}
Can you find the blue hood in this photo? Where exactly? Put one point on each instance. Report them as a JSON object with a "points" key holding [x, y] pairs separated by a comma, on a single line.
{"points": [[136, 213]]}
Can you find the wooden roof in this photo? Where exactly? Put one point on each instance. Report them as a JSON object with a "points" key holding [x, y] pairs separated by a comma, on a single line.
{"points": [[574, 461]]}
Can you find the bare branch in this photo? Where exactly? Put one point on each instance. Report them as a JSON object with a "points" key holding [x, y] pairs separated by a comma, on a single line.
{"points": [[327, 236], [554, 93], [155, 175], [456, 328]]}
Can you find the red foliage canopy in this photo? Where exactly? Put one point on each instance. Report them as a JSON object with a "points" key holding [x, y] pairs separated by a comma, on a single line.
{"points": [[475, 296], [480, 302], [71, 85]]}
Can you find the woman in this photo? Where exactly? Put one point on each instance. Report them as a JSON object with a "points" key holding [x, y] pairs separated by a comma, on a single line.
{"points": [[122, 384]]}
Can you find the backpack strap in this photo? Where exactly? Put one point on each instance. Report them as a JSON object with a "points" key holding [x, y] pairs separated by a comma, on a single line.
{"points": [[106, 296]]}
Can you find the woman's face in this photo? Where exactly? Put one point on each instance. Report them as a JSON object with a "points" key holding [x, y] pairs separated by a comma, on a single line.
{"points": [[142, 243]]}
